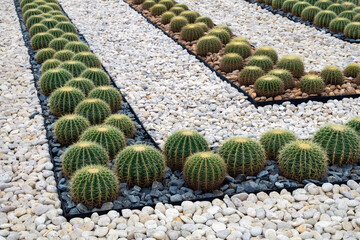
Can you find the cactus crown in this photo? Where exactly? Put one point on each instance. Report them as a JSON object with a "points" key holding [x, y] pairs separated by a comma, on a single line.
{"points": [[64, 55], [269, 86], [311, 84], [348, 14], [205, 20], [68, 128], [309, 13], [108, 94], [352, 70], [177, 23], [74, 67], [299, 7], [267, 51], [67, 27], [50, 64], [189, 15], [352, 30], [249, 75], [231, 62], [41, 40], [34, 20], [64, 100], [166, 17], [288, 5], [285, 76], [56, 32], [208, 44], [37, 28], [332, 75], [122, 122], [77, 47], [72, 37], [293, 64], [191, 32], [264, 62], [274, 140], [95, 110], [224, 27], [58, 44], [177, 10], [98, 76], [354, 123], [158, 9], [241, 48], [222, 34], [44, 54], [336, 8], [49, 22], [53, 79], [323, 4], [323, 18], [83, 84], [148, 4], [338, 24]]}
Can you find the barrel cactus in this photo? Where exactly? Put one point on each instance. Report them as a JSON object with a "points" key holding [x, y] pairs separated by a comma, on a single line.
{"points": [[180, 145], [338, 24], [323, 18], [311, 84], [31, 12], [241, 48], [177, 23], [203, 26], [354, 123], [88, 58], [274, 140], [208, 44], [336, 8], [37, 28], [64, 55], [77, 47], [49, 64], [191, 32], [249, 75], [177, 10], [34, 20], [356, 9], [68, 128], [55, 8], [276, 4], [108, 94], [312, 2], [352, 30], [41, 40], [299, 7], [293, 64], [44, 8], [182, 5], [67, 27], [352, 70], [267, 51], [97, 76], [166, 17], [72, 37], [60, 18], [137, 2], [332, 75], [53, 79], [94, 109], [24, 2], [58, 44], [231, 62], [269, 86], [224, 27], [323, 4], [44, 54], [243, 156], [347, 14], [309, 13], [264, 62], [205, 20], [49, 22], [74, 67], [356, 18], [285, 77], [191, 16], [340, 142], [56, 32], [240, 39], [46, 15], [64, 100], [122, 122], [348, 5], [28, 6], [83, 84], [167, 3], [148, 4], [222, 34], [288, 5], [158, 9]]}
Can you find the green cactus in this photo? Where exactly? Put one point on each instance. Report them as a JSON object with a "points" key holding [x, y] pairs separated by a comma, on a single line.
{"points": [[64, 100], [348, 14], [243, 156], [336, 8], [183, 6], [58, 44], [299, 7], [24, 2], [231, 62], [357, 9], [137, 2], [53, 79], [44, 8], [205, 20], [177, 23], [177, 10], [41, 40], [64, 55], [224, 27], [140, 165], [166, 17], [148, 4], [77, 47], [312, 2], [94, 185], [191, 16], [269, 86], [97, 76], [191, 32], [276, 4], [204, 171], [203, 26], [309, 13], [44, 54], [94, 109], [293, 64], [67, 27], [323, 18], [348, 5], [338, 24], [109, 137], [300, 160], [208, 44], [356, 18], [311, 84], [55, 7], [60, 18], [267, 51], [72, 37], [83, 84], [88, 58], [28, 6], [40, 2], [352, 30], [288, 5], [167, 3], [34, 20], [108, 94], [56, 32], [285, 77], [274, 140], [122, 122], [264, 62], [240, 39], [354, 123], [332, 75], [68, 128], [49, 22], [268, 2], [31, 12], [241, 48], [46, 15], [249, 75], [340, 142], [158, 9], [74, 67], [50, 64], [356, 2], [222, 34], [352, 70], [323, 4], [37, 28]]}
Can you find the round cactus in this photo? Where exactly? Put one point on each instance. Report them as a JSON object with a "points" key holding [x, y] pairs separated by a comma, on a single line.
{"points": [[299, 7], [94, 185], [31, 12], [312, 2], [309, 13], [55, 8], [348, 14], [64, 100], [311, 84], [74, 67], [83, 84], [356, 18], [94, 109], [34, 20], [166, 17], [205, 171], [356, 2], [60, 18], [293, 64], [109, 137], [274, 140], [323, 4], [222, 34], [167, 3], [53, 79], [44, 54], [72, 37], [46, 15], [269, 86], [108, 94], [56, 32], [249, 75], [148, 4], [267, 51], [122, 122], [354, 123], [77, 47], [352, 70], [205, 20], [44, 8], [137, 2], [49, 22], [352, 30], [264, 62], [28, 6], [68, 128], [177, 10], [208, 44], [64, 55], [348, 5], [356, 9], [140, 165], [323, 18], [231, 62], [276, 4], [224, 27], [240, 39], [241, 48], [285, 76], [41, 40], [203, 26], [191, 16], [243, 156], [177, 23], [37, 28], [24, 2], [50, 64], [40, 2], [338, 24], [340, 142], [300, 160], [67, 27], [97, 76], [182, 5], [88, 58], [332, 75], [58, 44], [158, 9], [269, 2], [191, 32], [336, 8], [288, 5]]}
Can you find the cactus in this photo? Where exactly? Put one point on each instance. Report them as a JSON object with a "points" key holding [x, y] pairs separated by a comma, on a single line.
{"points": [[28, 6], [37, 28], [68, 128], [249, 75], [191, 16], [264, 62], [231, 62], [348, 14], [31, 12], [53, 79], [41, 40], [293, 64], [108, 94], [88, 58], [204, 171], [299, 7], [177, 10], [208, 44], [352, 70], [243, 156], [137, 2], [269, 86], [67, 27], [180, 145], [72, 37], [40, 2], [74, 67], [83, 154], [274, 140], [191, 32], [158, 9], [24, 2], [205, 20], [94, 185], [77, 47], [34, 20], [97, 76], [44, 54], [323, 4], [203, 26], [109, 137], [148, 4], [354, 123], [285, 77], [356, 9], [300, 160], [55, 8], [94, 109], [56, 32], [140, 165], [312, 2], [166, 17], [348, 5], [352, 30], [338, 24], [356, 2], [167, 3], [336, 8], [221, 34], [309, 13], [177, 23], [50, 64], [122, 122], [44, 8], [323, 18], [46, 15], [240, 39], [183, 6], [288, 5], [224, 27], [58, 44], [64, 100], [64, 55], [83, 84], [340, 142], [332, 75], [311, 84], [60, 18], [356, 18], [241, 48], [49, 22], [276, 4], [268, 2], [267, 51]]}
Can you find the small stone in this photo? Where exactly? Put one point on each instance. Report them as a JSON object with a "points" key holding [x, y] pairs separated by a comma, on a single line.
{"points": [[270, 234], [172, 213], [101, 231], [256, 231], [160, 235], [126, 213], [327, 187], [218, 226], [199, 219], [223, 234]]}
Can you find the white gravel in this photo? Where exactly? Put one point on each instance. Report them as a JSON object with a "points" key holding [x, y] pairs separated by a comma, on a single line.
{"points": [[263, 28]]}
